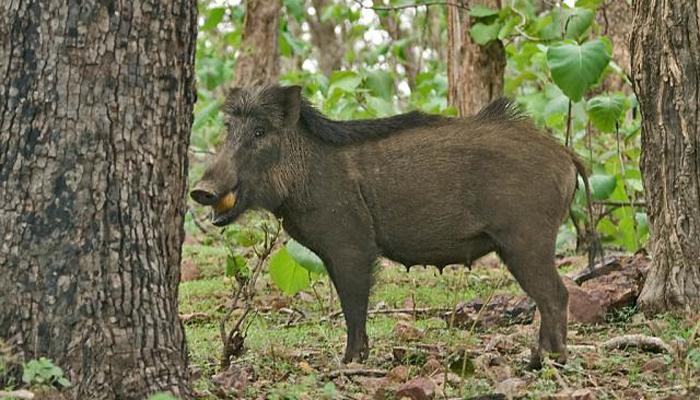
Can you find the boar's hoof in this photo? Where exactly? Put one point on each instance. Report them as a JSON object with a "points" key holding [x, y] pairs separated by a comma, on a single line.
{"points": [[356, 356], [356, 352], [537, 357]]}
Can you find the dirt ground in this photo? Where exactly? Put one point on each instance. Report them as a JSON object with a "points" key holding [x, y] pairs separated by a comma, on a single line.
{"points": [[420, 349]]}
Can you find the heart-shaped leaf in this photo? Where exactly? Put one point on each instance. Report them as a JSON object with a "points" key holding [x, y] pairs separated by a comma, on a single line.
{"points": [[483, 34], [602, 186], [288, 274], [605, 110], [575, 68], [305, 257]]}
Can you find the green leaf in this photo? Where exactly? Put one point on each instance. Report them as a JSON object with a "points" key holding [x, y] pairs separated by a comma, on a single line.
{"points": [[575, 68], [162, 396], [206, 114], [235, 265], [297, 46], [289, 276], [63, 382], [481, 11], [296, 8], [461, 364], [602, 186], [214, 16], [605, 111], [381, 107], [483, 34], [577, 21], [380, 84], [305, 257], [590, 4], [344, 81]]}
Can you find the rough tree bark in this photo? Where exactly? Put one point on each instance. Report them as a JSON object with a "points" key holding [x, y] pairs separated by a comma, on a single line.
{"points": [[666, 71], [474, 72], [258, 58], [95, 112]]}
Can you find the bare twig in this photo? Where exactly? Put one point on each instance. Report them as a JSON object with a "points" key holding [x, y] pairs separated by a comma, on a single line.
{"points": [[194, 317], [610, 203], [197, 222], [567, 142], [554, 367], [415, 5], [376, 373], [233, 340], [17, 394], [200, 151]]}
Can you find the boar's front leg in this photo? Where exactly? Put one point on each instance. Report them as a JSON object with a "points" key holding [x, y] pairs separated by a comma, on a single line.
{"points": [[351, 273]]}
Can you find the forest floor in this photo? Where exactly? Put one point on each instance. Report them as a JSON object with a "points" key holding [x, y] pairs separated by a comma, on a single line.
{"points": [[293, 345]]}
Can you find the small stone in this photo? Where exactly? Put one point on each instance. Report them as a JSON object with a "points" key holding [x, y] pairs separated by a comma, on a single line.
{"points": [[583, 308], [419, 388], [511, 387], [407, 332], [656, 364], [501, 343], [499, 373], [571, 394], [305, 367], [431, 366], [398, 373]]}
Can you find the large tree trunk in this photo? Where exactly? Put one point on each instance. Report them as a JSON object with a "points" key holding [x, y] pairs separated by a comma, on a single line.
{"points": [[258, 58], [474, 72], [666, 70], [95, 113]]}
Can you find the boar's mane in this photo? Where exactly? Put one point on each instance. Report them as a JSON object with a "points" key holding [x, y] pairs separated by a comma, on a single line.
{"points": [[501, 109], [354, 131], [360, 130]]}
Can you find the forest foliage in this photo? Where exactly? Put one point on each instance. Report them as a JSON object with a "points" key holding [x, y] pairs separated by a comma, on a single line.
{"points": [[559, 70]]}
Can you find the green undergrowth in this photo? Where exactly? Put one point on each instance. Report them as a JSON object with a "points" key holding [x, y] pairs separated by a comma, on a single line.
{"points": [[290, 362]]}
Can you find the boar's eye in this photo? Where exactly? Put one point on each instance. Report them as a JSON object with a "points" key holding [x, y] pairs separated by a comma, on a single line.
{"points": [[258, 132]]}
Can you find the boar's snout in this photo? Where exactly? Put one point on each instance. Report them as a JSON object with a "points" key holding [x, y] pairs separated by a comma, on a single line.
{"points": [[204, 194]]}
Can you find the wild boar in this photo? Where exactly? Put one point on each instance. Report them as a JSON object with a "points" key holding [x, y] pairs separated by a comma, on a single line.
{"points": [[415, 188]]}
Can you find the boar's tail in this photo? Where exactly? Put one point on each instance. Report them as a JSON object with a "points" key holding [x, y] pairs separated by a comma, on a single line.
{"points": [[595, 247]]}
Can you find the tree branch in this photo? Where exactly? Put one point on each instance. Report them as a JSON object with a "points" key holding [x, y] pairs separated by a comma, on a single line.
{"points": [[416, 5]]}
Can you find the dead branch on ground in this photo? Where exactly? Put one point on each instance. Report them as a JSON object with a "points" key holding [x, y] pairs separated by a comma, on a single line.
{"points": [[374, 373]]}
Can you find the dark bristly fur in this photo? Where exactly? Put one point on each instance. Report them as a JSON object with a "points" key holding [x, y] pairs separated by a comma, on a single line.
{"points": [[415, 188], [501, 109], [345, 132]]}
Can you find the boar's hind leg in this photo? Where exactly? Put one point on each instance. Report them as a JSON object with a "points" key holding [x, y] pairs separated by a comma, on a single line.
{"points": [[532, 265], [352, 278]]}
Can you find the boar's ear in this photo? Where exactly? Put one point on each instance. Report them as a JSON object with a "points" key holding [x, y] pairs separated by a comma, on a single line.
{"points": [[290, 100], [232, 96]]}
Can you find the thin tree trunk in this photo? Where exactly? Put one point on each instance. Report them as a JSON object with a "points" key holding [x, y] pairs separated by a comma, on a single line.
{"points": [[666, 70], [258, 58], [95, 114], [329, 48], [474, 72], [615, 18], [392, 25]]}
